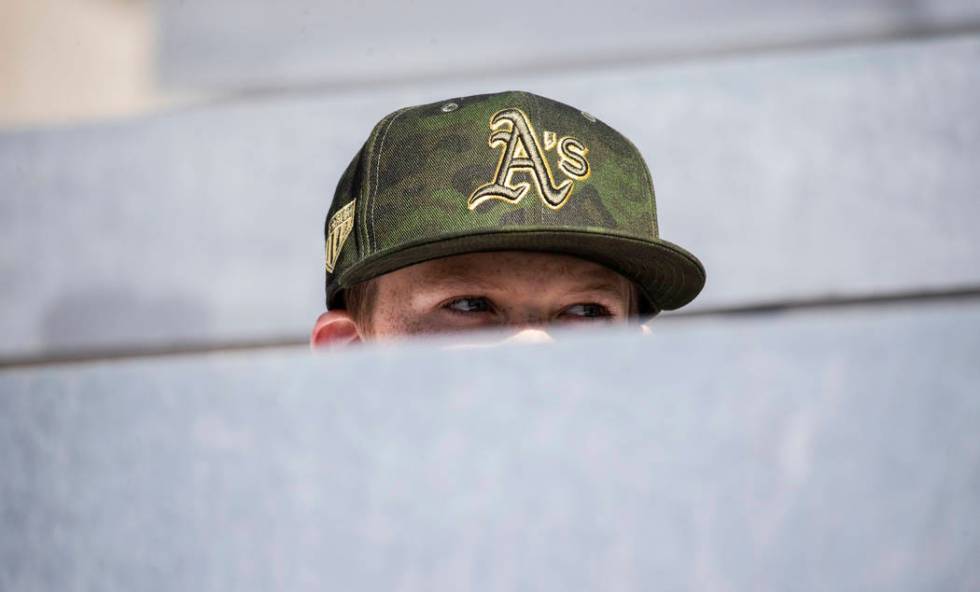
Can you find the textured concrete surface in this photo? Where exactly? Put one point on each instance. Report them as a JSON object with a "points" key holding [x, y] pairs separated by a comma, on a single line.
{"points": [[693, 459], [806, 175], [228, 44]]}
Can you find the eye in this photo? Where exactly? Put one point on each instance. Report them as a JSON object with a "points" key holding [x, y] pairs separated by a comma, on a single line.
{"points": [[587, 311], [469, 305]]}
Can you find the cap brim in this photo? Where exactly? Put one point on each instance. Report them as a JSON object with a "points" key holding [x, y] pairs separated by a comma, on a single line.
{"points": [[668, 276]]}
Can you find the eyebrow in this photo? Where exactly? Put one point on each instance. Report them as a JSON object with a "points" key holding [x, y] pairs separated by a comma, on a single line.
{"points": [[603, 286], [462, 278]]}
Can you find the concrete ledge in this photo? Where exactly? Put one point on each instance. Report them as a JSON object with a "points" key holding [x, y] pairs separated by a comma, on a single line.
{"points": [[243, 44], [803, 452]]}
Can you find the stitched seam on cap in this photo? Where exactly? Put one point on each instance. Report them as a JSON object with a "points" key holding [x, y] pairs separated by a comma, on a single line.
{"points": [[377, 176], [365, 192], [654, 222], [367, 187]]}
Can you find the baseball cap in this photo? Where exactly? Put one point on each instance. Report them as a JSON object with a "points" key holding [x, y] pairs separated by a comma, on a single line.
{"points": [[501, 171]]}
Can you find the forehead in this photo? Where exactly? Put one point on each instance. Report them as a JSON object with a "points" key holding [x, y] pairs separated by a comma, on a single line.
{"points": [[509, 269]]}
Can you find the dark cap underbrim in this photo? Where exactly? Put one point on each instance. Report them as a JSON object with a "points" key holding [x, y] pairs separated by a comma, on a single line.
{"points": [[668, 276]]}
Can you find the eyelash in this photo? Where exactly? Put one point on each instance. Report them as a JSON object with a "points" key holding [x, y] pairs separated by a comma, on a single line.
{"points": [[600, 311], [449, 305]]}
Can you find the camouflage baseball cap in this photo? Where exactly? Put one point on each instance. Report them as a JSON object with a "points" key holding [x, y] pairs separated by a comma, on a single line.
{"points": [[504, 171]]}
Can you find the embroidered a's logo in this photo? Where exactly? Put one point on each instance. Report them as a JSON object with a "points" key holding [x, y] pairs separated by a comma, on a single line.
{"points": [[512, 130], [341, 223]]}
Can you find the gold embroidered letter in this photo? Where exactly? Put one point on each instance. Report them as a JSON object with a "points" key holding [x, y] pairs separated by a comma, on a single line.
{"points": [[512, 131]]}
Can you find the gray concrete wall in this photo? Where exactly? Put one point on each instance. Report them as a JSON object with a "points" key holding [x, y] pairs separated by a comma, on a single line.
{"points": [[251, 44], [693, 459], [810, 154]]}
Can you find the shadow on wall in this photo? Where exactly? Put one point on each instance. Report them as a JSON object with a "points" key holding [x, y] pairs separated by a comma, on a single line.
{"points": [[120, 319]]}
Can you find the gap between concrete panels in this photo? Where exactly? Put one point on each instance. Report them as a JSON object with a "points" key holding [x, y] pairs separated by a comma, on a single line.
{"points": [[870, 304]]}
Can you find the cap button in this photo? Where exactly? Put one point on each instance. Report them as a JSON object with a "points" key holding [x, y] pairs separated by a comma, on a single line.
{"points": [[588, 116], [448, 107]]}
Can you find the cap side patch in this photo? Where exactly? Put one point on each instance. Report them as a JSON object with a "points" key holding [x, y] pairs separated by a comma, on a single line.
{"points": [[339, 229]]}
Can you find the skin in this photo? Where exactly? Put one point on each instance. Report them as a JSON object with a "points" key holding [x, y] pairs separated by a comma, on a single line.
{"points": [[524, 293]]}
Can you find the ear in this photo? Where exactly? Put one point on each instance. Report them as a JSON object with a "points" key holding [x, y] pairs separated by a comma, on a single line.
{"points": [[334, 327]]}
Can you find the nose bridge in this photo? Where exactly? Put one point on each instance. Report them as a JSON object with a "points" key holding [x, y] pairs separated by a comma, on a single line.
{"points": [[527, 316], [531, 301], [529, 325]]}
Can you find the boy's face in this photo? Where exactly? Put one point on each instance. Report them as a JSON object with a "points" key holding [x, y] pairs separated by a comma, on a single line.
{"points": [[506, 289]]}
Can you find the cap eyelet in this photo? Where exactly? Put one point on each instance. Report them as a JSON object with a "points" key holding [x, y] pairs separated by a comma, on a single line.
{"points": [[449, 107], [589, 116]]}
